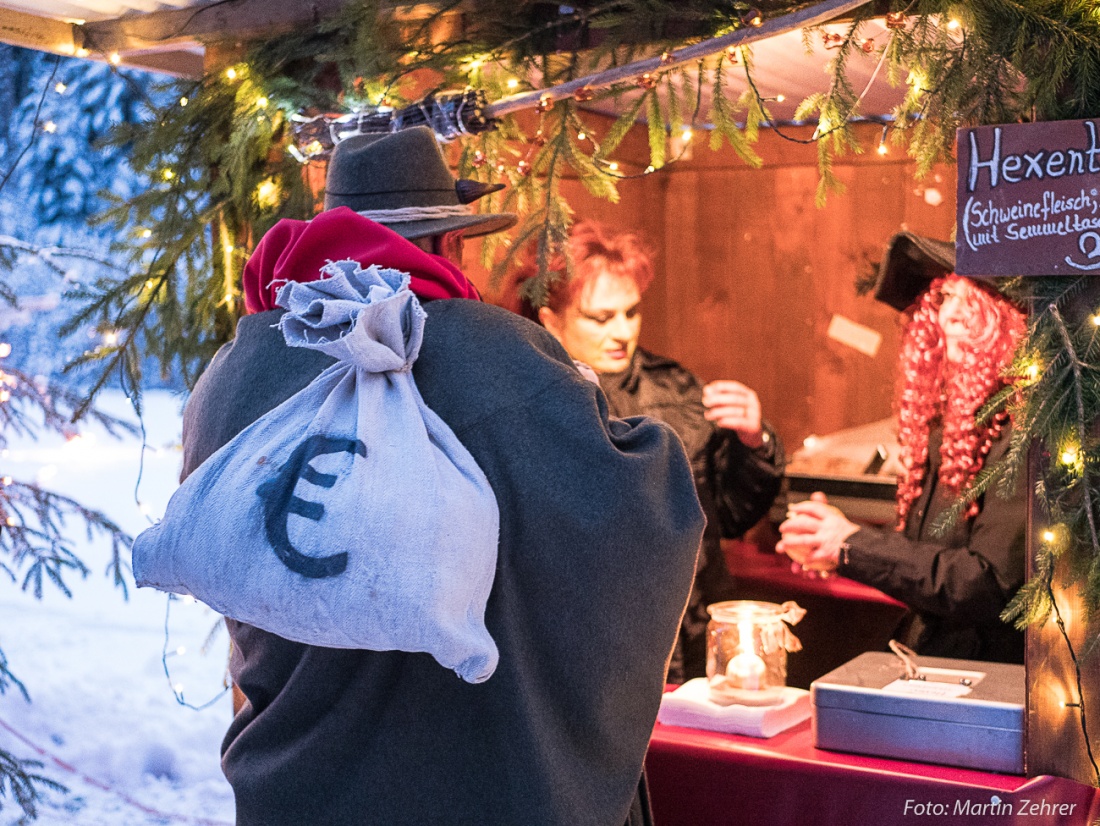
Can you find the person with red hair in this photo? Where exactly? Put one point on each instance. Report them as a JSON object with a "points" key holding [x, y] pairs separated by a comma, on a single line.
{"points": [[738, 463], [956, 578]]}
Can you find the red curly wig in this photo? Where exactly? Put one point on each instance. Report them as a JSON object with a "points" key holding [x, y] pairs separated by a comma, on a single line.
{"points": [[935, 391], [594, 248]]}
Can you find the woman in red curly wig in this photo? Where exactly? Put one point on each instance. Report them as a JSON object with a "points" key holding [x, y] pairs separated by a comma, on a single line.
{"points": [[960, 337]]}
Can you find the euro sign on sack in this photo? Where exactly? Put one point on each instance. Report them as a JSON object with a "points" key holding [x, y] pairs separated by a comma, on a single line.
{"points": [[350, 516]]}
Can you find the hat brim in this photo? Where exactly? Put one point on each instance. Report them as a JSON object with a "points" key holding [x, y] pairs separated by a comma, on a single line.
{"points": [[472, 225], [910, 264]]}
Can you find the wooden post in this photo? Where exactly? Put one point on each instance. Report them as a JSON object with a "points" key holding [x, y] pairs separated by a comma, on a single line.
{"points": [[1041, 222], [1060, 705]]}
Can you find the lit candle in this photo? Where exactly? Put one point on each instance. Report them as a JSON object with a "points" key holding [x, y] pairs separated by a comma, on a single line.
{"points": [[746, 669]]}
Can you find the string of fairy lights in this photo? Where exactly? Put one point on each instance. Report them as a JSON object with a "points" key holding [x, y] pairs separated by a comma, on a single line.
{"points": [[1071, 454]]}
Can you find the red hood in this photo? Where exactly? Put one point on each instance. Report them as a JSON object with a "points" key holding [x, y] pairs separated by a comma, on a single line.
{"points": [[297, 250]]}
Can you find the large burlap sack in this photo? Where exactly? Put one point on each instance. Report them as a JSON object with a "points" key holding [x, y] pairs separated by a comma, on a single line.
{"points": [[350, 516]]}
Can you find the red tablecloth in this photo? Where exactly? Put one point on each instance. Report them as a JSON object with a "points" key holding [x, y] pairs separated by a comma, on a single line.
{"points": [[700, 778], [755, 566]]}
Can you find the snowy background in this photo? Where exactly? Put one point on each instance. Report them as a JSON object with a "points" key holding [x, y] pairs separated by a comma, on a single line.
{"points": [[100, 700], [103, 717]]}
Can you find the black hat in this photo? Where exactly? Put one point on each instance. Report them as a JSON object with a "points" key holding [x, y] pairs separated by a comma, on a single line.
{"points": [[910, 264], [400, 179]]}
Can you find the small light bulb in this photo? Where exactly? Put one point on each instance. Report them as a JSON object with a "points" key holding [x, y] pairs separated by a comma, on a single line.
{"points": [[882, 150], [5, 395], [229, 298], [115, 58], [231, 73], [512, 83], [614, 167], [110, 337], [581, 136], [50, 126], [262, 102], [780, 98], [5, 350], [81, 52], [686, 135], [1048, 536], [267, 194], [7, 481], [649, 169], [145, 509], [146, 233], [1096, 320], [181, 650], [10, 520], [178, 688], [953, 24], [60, 88], [168, 174], [1033, 371]]}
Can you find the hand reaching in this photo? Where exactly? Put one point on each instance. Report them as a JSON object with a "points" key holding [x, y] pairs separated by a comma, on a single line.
{"points": [[733, 406]]}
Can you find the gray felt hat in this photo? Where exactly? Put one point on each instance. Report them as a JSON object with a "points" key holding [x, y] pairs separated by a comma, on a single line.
{"points": [[910, 264], [400, 179]]}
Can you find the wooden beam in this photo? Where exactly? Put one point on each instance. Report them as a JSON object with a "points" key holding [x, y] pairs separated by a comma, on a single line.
{"points": [[45, 34], [239, 19], [182, 62]]}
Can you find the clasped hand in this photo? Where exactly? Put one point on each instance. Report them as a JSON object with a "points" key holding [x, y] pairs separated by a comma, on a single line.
{"points": [[813, 534]]}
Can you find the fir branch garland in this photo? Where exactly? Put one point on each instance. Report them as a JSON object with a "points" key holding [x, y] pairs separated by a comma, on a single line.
{"points": [[222, 171]]}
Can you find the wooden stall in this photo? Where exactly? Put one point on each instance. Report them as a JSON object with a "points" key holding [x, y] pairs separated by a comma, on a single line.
{"points": [[753, 281]]}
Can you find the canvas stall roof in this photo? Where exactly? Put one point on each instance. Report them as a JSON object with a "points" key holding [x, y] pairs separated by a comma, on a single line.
{"points": [[788, 67]]}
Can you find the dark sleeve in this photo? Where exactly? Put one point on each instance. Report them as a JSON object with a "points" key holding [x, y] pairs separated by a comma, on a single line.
{"points": [[745, 481], [972, 583], [252, 374]]}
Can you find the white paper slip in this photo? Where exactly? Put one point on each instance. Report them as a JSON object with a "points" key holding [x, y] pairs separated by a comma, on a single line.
{"points": [[690, 706], [854, 335]]}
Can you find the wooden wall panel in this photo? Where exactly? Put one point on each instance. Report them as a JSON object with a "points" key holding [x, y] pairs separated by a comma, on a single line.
{"points": [[749, 272]]}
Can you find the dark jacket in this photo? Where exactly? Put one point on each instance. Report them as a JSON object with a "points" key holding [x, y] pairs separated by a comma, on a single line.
{"points": [[736, 485], [598, 535], [956, 584]]}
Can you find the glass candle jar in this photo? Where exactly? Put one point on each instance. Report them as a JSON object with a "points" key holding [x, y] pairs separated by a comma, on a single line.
{"points": [[747, 645]]}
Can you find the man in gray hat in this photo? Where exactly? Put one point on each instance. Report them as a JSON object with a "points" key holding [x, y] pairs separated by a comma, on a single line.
{"points": [[401, 181], [599, 529]]}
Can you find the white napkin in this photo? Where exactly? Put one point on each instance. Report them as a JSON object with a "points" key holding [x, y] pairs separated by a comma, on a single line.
{"points": [[690, 707]]}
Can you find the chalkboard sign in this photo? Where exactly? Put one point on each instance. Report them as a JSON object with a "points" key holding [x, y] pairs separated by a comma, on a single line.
{"points": [[1029, 199]]}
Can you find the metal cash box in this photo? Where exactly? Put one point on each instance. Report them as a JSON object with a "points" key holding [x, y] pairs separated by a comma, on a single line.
{"points": [[961, 713]]}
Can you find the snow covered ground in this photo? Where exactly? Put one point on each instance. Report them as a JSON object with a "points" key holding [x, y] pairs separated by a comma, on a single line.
{"points": [[101, 703]]}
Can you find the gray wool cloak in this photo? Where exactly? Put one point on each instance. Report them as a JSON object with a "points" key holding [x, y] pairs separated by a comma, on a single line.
{"points": [[600, 526]]}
